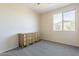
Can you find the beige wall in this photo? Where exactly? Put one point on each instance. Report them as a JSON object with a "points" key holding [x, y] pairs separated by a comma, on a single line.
{"points": [[47, 33], [14, 19], [18, 18]]}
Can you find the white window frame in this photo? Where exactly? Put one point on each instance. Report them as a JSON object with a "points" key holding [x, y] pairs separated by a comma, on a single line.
{"points": [[63, 21]]}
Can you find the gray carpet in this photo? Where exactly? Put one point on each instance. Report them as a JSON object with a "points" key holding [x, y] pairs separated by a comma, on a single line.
{"points": [[44, 48]]}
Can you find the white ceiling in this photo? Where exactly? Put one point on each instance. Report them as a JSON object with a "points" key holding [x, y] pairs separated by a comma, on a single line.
{"points": [[45, 7]]}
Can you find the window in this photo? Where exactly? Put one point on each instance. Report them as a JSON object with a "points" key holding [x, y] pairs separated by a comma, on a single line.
{"points": [[57, 22], [64, 21]]}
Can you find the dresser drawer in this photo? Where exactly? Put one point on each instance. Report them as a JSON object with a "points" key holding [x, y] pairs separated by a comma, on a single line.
{"points": [[27, 38]]}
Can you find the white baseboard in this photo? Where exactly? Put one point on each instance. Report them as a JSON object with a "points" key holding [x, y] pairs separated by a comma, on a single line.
{"points": [[61, 43], [8, 49]]}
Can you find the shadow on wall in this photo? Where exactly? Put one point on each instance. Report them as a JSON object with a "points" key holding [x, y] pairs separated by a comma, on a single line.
{"points": [[12, 41]]}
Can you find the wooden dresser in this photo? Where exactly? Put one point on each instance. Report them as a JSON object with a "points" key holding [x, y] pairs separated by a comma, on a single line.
{"points": [[26, 39]]}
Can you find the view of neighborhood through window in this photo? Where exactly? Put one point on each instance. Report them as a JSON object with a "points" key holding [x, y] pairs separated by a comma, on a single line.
{"points": [[64, 21]]}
